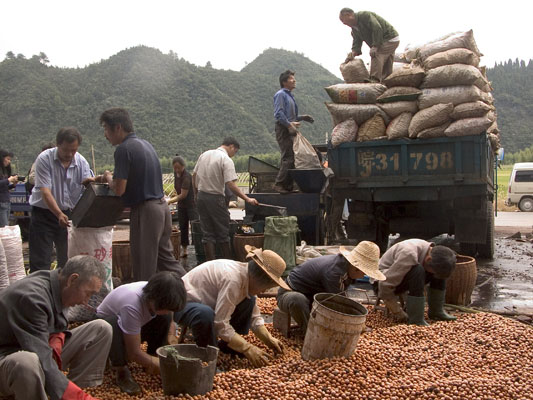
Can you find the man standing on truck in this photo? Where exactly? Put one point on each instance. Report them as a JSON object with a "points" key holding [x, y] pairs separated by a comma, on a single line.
{"points": [[287, 124], [137, 178], [213, 171], [408, 267], [378, 34], [60, 174]]}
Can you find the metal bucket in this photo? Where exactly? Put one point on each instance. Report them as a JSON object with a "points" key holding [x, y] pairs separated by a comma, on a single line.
{"points": [[462, 281], [334, 327], [194, 376], [175, 238]]}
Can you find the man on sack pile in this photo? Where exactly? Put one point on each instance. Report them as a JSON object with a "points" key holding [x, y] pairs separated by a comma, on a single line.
{"points": [[287, 124], [378, 34], [409, 266], [221, 298]]}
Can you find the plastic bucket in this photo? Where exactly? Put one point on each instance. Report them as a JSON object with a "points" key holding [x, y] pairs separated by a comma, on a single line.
{"points": [[334, 327], [242, 239], [194, 376], [462, 281]]}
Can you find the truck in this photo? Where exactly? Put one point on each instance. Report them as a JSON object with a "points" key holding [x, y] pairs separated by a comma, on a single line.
{"points": [[20, 208], [417, 188]]}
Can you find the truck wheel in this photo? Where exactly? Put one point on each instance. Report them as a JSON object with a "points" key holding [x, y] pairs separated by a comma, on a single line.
{"points": [[468, 249], [487, 250], [526, 204]]}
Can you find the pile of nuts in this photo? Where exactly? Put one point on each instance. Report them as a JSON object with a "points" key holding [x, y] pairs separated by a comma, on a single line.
{"points": [[479, 356], [266, 304]]}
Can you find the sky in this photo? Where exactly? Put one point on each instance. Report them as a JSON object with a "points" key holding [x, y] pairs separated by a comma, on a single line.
{"points": [[232, 33]]}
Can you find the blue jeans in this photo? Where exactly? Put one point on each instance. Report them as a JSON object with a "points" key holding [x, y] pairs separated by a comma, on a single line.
{"points": [[5, 209], [200, 318]]}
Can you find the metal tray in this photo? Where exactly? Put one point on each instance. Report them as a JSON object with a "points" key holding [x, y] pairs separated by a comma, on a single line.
{"points": [[98, 206]]}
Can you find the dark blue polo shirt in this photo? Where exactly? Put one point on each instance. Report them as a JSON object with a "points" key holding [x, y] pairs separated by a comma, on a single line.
{"points": [[137, 161]]}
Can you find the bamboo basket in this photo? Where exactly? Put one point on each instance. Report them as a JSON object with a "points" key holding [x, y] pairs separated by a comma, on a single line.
{"points": [[461, 282]]}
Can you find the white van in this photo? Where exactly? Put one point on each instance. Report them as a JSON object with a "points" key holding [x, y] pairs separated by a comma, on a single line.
{"points": [[520, 189]]}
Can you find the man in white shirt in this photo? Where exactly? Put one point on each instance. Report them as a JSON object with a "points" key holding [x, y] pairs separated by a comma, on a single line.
{"points": [[213, 171], [221, 302]]}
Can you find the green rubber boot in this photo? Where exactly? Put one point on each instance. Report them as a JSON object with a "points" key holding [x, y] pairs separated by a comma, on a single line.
{"points": [[436, 306], [415, 310]]}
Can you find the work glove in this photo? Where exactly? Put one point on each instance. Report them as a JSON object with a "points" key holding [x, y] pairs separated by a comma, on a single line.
{"points": [[373, 51], [264, 335], [394, 308], [153, 367], [74, 392], [56, 342], [293, 128], [307, 118], [257, 357]]}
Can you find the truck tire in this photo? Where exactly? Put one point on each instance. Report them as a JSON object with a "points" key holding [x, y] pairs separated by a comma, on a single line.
{"points": [[487, 250], [526, 204]]}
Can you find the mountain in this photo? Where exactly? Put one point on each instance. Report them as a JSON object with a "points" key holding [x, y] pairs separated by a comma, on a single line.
{"points": [[177, 106]]}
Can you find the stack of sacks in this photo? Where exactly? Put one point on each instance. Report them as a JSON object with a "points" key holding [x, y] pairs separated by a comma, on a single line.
{"points": [[455, 97], [354, 111]]}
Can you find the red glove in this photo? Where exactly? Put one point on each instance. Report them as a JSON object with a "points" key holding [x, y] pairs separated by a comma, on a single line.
{"points": [[56, 342], [73, 392]]}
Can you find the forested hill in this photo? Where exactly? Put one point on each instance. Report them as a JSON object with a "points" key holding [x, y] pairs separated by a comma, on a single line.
{"points": [[183, 108], [513, 92], [177, 106]]}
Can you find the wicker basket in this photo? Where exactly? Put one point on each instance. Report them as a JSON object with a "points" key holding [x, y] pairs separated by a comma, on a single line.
{"points": [[461, 283]]}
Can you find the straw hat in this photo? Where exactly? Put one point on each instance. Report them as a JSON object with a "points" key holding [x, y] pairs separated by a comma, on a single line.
{"points": [[270, 262], [365, 257]]}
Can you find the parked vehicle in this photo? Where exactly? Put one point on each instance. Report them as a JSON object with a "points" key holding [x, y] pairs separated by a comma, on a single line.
{"points": [[20, 208], [417, 188], [520, 190]]}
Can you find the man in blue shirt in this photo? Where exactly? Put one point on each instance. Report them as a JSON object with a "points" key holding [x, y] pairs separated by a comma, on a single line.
{"points": [[60, 175], [138, 180], [287, 124]]}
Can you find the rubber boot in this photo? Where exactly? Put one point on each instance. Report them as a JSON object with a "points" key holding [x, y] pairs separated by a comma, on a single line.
{"points": [[209, 249], [126, 382], [436, 306], [225, 249], [415, 310]]}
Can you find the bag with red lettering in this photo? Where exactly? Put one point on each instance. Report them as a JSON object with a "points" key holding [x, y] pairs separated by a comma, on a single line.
{"points": [[95, 242]]}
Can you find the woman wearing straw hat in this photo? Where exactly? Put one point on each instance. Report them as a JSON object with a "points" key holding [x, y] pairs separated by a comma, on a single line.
{"points": [[221, 302], [330, 274]]}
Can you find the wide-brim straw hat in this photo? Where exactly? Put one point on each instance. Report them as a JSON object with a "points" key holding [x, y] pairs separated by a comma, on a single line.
{"points": [[365, 257], [270, 262]]}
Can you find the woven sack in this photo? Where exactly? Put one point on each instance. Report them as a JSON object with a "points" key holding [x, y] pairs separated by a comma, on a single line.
{"points": [[430, 117], [355, 93], [450, 94], [396, 108], [354, 71], [453, 75], [435, 131], [372, 129], [344, 132], [452, 56], [473, 109], [468, 126], [358, 112], [458, 40], [399, 93], [399, 126], [408, 75]]}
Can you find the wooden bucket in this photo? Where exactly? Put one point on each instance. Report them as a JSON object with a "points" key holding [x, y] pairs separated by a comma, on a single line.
{"points": [[242, 239], [121, 260], [461, 282], [175, 238], [334, 327]]}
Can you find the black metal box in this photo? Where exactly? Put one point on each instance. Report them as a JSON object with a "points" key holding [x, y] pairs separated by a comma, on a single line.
{"points": [[98, 206]]}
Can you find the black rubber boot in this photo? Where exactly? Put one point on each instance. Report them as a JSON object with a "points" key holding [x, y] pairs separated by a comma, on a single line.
{"points": [[436, 306], [209, 249], [126, 382], [415, 310], [225, 249]]}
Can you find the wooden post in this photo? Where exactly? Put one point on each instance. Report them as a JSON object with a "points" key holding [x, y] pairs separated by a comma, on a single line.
{"points": [[94, 163]]}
